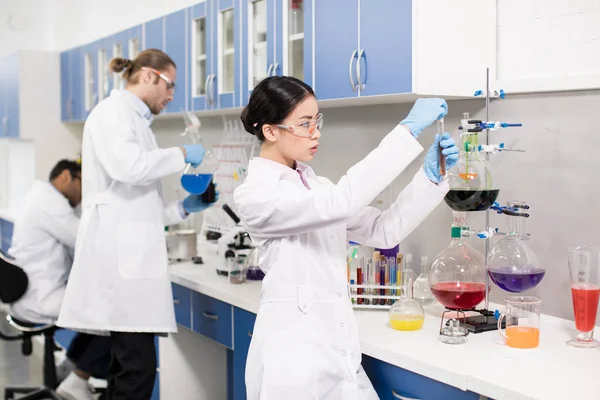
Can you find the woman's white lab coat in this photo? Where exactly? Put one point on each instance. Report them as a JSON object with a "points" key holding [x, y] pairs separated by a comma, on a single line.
{"points": [[305, 343], [119, 281], [42, 245]]}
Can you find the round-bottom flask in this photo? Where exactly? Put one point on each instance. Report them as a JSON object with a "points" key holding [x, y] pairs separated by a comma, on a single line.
{"points": [[406, 314]]}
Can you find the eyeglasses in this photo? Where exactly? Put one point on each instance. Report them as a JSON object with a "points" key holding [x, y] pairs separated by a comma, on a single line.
{"points": [[305, 129], [170, 83]]}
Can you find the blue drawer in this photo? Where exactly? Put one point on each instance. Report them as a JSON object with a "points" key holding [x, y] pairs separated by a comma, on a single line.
{"points": [[213, 319], [243, 324], [182, 301], [392, 383]]}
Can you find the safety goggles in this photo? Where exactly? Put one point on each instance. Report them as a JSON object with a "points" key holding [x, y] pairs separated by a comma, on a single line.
{"points": [[306, 129], [170, 83]]}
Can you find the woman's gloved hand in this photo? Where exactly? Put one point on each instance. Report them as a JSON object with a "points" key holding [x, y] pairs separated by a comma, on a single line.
{"points": [[432, 158], [194, 154], [424, 113], [193, 203]]}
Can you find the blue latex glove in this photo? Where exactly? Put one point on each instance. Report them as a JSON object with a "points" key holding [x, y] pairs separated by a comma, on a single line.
{"points": [[432, 158], [194, 154], [193, 203], [424, 113]]}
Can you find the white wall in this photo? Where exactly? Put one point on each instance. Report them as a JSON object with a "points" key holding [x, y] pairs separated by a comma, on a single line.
{"points": [[556, 176]]}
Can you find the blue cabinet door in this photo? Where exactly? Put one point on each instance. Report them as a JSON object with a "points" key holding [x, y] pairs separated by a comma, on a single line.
{"points": [[336, 50], [390, 382], [175, 46], [243, 323], [226, 83], [200, 50], [154, 36], [11, 88], [76, 84], [65, 87], [386, 47]]}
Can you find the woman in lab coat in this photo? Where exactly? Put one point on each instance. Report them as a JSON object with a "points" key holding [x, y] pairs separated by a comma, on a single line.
{"points": [[119, 283], [305, 343]]}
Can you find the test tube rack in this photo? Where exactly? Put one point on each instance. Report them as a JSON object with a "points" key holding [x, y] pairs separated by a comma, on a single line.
{"points": [[374, 301]]}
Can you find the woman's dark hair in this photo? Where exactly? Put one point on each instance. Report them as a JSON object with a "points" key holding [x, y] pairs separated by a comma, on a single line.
{"points": [[271, 101], [152, 58]]}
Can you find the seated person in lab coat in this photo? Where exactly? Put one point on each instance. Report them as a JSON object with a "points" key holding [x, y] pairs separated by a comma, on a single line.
{"points": [[43, 241]]}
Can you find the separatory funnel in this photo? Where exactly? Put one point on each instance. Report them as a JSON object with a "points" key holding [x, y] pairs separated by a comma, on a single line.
{"points": [[407, 314], [199, 180], [512, 263], [457, 275], [470, 179]]}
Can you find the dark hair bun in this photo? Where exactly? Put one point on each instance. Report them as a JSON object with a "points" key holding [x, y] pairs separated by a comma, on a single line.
{"points": [[119, 64], [248, 124]]}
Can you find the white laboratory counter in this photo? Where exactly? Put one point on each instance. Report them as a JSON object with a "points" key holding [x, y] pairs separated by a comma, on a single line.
{"points": [[483, 365]]}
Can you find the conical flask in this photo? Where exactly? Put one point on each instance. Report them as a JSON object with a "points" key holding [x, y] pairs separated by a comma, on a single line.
{"points": [[407, 314], [199, 180], [513, 263], [470, 180], [421, 291], [457, 275]]}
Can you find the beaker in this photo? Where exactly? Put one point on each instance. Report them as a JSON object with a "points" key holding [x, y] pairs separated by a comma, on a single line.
{"points": [[522, 322], [584, 268], [512, 263], [470, 180], [457, 274], [199, 180], [254, 272], [421, 291], [237, 268], [407, 314]]}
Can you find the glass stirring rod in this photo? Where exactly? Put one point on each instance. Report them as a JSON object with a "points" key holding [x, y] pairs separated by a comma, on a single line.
{"points": [[440, 128]]}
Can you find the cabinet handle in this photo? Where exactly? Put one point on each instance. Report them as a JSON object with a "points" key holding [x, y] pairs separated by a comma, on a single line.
{"points": [[206, 87], [269, 70], [249, 334], [397, 396], [176, 301], [352, 57], [361, 56], [275, 66], [210, 316], [211, 88]]}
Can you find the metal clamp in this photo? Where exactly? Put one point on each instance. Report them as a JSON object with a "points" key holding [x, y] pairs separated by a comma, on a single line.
{"points": [[210, 316]]}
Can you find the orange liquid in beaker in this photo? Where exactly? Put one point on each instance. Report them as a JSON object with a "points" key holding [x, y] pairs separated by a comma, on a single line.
{"points": [[468, 176], [522, 337]]}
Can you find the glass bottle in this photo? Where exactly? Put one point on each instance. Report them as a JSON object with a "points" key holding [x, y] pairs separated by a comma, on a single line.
{"points": [[512, 263], [199, 180], [457, 274], [470, 180], [406, 314], [421, 291]]}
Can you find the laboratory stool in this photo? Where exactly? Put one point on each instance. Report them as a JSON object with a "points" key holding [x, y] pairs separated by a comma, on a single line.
{"points": [[26, 332]]}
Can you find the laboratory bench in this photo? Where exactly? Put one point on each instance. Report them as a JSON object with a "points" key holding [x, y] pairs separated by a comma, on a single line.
{"points": [[213, 313]]}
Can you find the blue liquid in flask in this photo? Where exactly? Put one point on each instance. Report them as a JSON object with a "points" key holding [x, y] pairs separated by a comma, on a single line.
{"points": [[196, 184]]}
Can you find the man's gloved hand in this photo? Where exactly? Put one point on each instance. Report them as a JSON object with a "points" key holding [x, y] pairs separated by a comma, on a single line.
{"points": [[432, 158], [194, 154], [193, 203], [424, 113]]}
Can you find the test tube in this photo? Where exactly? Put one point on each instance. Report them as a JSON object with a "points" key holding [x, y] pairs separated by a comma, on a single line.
{"points": [[369, 273], [440, 128], [359, 279], [376, 275]]}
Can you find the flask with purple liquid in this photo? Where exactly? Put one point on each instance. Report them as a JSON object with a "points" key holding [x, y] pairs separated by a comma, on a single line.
{"points": [[513, 264]]}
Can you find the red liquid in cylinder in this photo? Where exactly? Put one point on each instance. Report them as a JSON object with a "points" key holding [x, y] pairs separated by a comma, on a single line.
{"points": [[585, 306], [459, 295]]}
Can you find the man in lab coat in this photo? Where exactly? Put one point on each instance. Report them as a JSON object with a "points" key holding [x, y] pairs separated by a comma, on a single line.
{"points": [[119, 285], [43, 241]]}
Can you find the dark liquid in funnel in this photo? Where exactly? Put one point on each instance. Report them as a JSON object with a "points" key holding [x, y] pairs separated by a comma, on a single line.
{"points": [[471, 200]]}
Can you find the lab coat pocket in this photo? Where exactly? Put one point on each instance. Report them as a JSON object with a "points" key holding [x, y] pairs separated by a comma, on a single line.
{"points": [[290, 364], [142, 252]]}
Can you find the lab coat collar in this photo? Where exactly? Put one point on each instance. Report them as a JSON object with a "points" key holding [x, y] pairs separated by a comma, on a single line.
{"points": [[273, 171], [137, 103]]}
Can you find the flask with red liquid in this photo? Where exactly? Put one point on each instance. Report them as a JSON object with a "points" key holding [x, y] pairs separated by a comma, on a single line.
{"points": [[457, 275]]}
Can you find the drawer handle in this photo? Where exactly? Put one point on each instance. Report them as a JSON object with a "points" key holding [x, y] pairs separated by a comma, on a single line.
{"points": [[210, 316], [249, 334], [397, 396], [176, 301]]}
